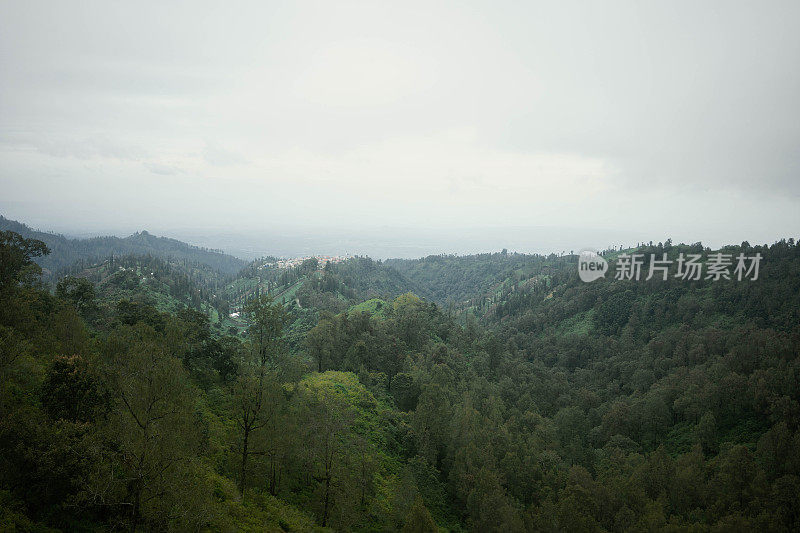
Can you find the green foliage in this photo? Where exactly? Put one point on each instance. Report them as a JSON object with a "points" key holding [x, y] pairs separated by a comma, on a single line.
{"points": [[375, 307], [454, 279], [266, 513], [78, 291], [419, 519], [71, 392], [535, 403], [17, 256]]}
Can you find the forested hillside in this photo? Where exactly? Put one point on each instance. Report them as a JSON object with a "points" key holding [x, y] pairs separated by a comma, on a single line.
{"points": [[66, 252], [452, 279], [344, 401], [167, 285], [313, 288]]}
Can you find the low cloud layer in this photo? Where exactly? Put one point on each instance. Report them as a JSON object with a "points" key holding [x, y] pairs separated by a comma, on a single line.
{"points": [[676, 120]]}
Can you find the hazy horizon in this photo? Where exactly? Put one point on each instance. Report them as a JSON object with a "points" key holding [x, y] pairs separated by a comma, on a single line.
{"points": [[398, 242]]}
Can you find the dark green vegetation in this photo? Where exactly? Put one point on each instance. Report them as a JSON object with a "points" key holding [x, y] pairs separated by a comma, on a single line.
{"points": [[449, 279], [167, 285], [532, 402], [67, 252]]}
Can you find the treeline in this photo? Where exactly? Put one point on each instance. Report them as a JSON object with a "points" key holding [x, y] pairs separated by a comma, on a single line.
{"points": [[167, 285], [66, 252], [311, 288], [360, 278], [452, 280]]}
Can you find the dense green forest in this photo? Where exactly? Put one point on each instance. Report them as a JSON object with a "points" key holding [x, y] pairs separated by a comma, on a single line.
{"points": [[452, 279], [493, 392]]}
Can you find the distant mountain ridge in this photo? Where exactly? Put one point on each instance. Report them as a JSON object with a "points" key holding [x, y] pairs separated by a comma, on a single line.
{"points": [[64, 251]]}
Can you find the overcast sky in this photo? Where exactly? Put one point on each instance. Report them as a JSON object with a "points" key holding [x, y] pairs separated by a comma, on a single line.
{"points": [[676, 119]]}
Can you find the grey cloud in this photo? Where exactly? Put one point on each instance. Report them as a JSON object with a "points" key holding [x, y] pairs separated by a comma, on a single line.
{"points": [[681, 103], [221, 157], [163, 170], [77, 147]]}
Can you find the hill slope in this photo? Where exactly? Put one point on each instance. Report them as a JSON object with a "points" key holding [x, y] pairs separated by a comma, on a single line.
{"points": [[65, 251]]}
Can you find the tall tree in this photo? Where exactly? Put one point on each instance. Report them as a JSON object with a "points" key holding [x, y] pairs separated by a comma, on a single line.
{"points": [[151, 433], [257, 390]]}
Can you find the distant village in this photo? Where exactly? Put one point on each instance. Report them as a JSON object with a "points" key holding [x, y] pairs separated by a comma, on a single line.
{"points": [[297, 261]]}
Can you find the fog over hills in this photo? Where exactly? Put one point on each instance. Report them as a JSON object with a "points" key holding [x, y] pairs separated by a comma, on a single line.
{"points": [[66, 251], [380, 242]]}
